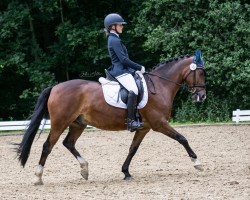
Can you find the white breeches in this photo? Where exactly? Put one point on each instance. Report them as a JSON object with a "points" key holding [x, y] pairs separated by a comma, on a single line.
{"points": [[128, 82]]}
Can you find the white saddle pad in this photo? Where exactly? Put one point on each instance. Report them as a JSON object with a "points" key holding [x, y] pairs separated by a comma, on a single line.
{"points": [[110, 91]]}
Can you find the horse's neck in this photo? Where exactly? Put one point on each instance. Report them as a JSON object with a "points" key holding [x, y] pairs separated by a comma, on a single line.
{"points": [[172, 77], [173, 73]]}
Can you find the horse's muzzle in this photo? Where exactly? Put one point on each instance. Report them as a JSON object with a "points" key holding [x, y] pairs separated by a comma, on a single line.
{"points": [[199, 96]]}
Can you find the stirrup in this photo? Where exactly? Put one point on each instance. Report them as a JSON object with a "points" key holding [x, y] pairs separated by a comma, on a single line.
{"points": [[134, 125]]}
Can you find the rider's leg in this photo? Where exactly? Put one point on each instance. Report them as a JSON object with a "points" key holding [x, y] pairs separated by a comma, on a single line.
{"points": [[133, 124], [128, 82]]}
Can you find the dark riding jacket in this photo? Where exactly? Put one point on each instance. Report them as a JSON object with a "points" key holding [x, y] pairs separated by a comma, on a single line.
{"points": [[118, 53]]}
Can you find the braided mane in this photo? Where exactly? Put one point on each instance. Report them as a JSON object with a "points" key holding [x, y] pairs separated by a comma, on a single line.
{"points": [[172, 61]]}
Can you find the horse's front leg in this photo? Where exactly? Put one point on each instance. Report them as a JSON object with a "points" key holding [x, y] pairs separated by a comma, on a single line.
{"points": [[138, 137], [166, 129]]}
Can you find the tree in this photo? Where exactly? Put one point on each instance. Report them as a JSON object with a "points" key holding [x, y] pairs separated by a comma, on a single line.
{"points": [[220, 28], [46, 42]]}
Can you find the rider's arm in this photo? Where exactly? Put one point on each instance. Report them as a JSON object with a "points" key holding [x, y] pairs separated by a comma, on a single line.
{"points": [[122, 56]]}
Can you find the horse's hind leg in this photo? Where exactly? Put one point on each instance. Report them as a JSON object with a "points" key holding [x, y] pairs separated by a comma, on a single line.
{"points": [[47, 148], [172, 133], [69, 142]]}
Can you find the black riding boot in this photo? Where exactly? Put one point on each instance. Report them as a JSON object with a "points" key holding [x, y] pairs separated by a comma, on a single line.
{"points": [[133, 123]]}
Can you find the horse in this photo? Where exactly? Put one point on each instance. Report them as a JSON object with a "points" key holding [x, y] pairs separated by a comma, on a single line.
{"points": [[74, 104]]}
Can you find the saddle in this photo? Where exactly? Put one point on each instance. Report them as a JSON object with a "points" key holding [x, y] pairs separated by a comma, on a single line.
{"points": [[116, 95], [123, 92]]}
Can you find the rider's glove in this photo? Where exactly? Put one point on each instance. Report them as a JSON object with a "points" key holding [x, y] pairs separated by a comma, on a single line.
{"points": [[142, 69]]}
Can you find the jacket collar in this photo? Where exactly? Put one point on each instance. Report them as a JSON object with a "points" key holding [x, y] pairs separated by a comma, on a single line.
{"points": [[114, 34]]}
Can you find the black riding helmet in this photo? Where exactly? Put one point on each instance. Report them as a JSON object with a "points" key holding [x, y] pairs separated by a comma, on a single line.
{"points": [[113, 18]]}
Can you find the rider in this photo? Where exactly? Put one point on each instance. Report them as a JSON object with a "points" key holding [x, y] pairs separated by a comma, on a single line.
{"points": [[122, 67]]}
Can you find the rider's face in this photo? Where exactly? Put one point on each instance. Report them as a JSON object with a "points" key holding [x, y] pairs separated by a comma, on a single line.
{"points": [[119, 28]]}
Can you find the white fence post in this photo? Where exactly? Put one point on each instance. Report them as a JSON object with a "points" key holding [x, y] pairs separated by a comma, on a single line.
{"points": [[237, 115]]}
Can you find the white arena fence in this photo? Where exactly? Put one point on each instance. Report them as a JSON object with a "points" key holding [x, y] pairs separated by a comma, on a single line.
{"points": [[22, 125], [238, 116], [241, 115]]}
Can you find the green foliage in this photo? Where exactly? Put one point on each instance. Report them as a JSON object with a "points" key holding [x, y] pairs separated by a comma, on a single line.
{"points": [[12, 41], [212, 110]]}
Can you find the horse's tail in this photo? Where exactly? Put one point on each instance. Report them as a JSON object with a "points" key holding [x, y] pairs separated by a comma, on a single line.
{"points": [[40, 111]]}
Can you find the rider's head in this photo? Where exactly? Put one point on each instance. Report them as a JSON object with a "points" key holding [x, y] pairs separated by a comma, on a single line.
{"points": [[114, 22]]}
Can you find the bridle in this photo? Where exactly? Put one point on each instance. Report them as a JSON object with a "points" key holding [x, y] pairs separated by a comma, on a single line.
{"points": [[193, 88]]}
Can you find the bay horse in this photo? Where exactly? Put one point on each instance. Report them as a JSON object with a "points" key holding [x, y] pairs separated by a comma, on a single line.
{"points": [[75, 104]]}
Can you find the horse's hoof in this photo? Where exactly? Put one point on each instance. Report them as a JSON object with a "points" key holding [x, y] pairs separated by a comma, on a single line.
{"points": [[38, 179], [129, 178], [39, 182], [199, 167], [85, 174], [197, 164]]}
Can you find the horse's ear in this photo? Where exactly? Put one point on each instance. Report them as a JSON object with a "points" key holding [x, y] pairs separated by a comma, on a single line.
{"points": [[198, 58], [198, 53]]}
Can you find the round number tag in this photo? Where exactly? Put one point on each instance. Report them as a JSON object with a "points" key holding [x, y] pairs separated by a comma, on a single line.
{"points": [[193, 66]]}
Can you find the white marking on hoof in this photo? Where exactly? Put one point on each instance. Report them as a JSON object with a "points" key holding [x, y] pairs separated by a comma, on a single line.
{"points": [[84, 166], [197, 164], [39, 173]]}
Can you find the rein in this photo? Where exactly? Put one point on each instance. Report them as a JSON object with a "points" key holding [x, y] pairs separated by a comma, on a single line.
{"points": [[166, 79], [191, 89]]}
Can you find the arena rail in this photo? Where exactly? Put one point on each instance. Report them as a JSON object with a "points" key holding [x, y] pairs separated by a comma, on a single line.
{"points": [[22, 125], [241, 115]]}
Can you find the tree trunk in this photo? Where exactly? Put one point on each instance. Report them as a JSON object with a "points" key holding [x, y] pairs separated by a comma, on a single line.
{"points": [[33, 38]]}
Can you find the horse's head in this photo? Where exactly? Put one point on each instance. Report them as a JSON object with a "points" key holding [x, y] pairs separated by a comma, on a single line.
{"points": [[186, 69], [195, 78]]}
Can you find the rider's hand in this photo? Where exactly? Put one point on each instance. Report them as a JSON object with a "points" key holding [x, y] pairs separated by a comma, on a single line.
{"points": [[142, 69]]}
